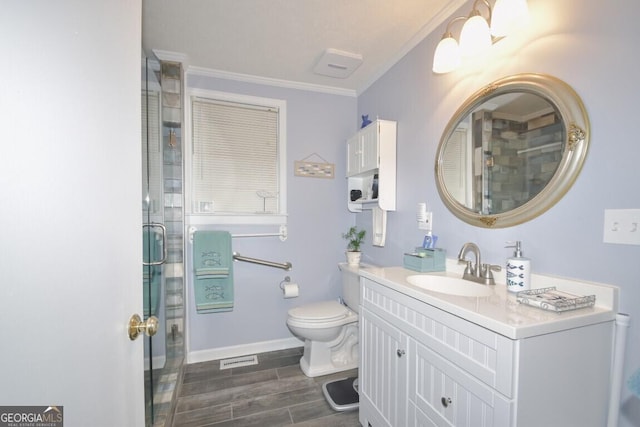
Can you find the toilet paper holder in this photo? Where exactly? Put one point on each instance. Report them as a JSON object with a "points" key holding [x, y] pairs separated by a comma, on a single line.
{"points": [[286, 280], [289, 290]]}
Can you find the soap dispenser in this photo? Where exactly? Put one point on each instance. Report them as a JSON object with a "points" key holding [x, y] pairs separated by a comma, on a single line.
{"points": [[518, 270]]}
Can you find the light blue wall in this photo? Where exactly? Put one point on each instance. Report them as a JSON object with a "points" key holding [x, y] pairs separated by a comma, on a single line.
{"points": [[592, 46], [589, 45], [316, 123]]}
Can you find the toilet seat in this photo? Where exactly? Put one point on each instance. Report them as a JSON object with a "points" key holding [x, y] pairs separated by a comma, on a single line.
{"points": [[320, 312]]}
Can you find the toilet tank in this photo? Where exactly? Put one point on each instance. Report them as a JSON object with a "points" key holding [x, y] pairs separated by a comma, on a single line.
{"points": [[350, 286]]}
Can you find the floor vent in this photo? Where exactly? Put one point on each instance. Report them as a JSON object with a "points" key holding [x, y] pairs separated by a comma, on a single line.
{"points": [[236, 362]]}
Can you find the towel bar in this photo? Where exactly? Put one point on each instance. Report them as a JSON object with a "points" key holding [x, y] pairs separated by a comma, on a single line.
{"points": [[282, 234], [285, 266]]}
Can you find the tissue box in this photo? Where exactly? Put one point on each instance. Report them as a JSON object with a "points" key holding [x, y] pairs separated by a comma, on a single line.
{"points": [[425, 260]]}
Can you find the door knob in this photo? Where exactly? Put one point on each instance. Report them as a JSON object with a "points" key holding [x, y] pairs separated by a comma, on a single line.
{"points": [[137, 326], [400, 353]]}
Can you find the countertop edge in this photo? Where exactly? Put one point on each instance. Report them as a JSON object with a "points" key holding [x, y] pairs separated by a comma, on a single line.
{"points": [[523, 321]]}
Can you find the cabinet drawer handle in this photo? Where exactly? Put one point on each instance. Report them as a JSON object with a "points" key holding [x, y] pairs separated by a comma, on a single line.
{"points": [[446, 401], [400, 353]]}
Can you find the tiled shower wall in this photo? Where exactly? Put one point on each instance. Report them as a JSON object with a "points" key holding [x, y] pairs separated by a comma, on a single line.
{"points": [[520, 170], [520, 157], [171, 82], [166, 388]]}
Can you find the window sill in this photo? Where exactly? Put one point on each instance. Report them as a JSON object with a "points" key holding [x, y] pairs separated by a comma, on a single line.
{"points": [[209, 219]]}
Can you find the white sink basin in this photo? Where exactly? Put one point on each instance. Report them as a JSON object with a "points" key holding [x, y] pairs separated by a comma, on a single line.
{"points": [[450, 285]]}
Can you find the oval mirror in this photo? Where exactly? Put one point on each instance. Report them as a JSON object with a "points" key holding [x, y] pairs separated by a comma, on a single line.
{"points": [[512, 150]]}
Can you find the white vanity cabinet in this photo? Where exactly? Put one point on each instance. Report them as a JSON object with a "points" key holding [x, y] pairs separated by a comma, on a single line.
{"points": [[422, 366], [371, 154]]}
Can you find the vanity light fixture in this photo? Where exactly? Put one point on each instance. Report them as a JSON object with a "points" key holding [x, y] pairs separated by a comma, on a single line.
{"points": [[476, 36]]}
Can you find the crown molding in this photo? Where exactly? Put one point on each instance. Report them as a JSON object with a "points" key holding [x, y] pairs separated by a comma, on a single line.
{"points": [[247, 78], [165, 55]]}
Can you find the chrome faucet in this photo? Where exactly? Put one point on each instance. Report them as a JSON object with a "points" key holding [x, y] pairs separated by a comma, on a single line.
{"points": [[478, 272], [471, 270]]}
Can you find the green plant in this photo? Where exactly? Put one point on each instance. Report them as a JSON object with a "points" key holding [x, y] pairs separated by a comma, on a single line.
{"points": [[355, 238]]}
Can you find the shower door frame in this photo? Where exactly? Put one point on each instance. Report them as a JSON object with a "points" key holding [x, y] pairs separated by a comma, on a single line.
{"points": [[168, 346]]}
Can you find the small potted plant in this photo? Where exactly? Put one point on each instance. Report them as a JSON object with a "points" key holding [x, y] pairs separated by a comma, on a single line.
{"points": [[355, 238]]}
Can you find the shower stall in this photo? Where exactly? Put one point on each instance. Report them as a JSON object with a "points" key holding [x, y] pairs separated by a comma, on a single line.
{"points": [[162, 235]]}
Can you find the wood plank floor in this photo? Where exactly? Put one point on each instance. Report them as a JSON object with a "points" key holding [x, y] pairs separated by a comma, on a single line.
{"points": [[273, 393]]}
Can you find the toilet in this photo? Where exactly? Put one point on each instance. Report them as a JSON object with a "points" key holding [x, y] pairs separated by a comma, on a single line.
{"points": [[329, 329]]}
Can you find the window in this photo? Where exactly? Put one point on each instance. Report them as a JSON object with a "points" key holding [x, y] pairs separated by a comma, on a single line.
{"points": [[237, 164]]}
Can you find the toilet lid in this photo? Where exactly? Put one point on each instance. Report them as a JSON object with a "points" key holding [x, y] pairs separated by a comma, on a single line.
{"points": [[320, 311]]}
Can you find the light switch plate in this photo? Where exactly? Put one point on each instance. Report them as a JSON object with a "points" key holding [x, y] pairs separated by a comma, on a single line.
{"points": [[622, 226]]}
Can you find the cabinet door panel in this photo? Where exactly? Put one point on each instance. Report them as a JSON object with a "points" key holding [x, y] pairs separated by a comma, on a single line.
{"points": [[383, 372], [370, 148], [353, 156], [449, 396]]}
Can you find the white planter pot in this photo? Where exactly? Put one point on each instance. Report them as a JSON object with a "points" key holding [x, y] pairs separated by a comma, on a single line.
{"points": [[353, 258]]}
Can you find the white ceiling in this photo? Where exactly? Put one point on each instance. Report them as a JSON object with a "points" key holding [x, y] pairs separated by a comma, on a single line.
{"points": [[282, 40]]}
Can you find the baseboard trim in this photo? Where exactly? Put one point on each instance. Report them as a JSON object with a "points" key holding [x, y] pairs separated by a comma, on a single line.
{"points": [[241, 350]]}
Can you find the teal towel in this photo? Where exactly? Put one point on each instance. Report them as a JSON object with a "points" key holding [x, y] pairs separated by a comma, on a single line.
{"points": [[151, 246], [213, 271], [151, 286], [634, 383], [151, 274]]}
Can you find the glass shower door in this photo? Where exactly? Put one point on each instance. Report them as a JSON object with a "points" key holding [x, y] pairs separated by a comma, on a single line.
{"points": [[154, 244]]}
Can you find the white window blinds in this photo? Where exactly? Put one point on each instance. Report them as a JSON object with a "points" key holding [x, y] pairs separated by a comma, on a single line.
{"points": [[234, 158]]}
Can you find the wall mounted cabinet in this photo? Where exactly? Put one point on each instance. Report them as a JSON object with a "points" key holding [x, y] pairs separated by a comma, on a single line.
{"points": [[371, 166]]}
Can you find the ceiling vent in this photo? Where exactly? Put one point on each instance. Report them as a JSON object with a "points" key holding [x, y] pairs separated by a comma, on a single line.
{"points": [[337, 63]]}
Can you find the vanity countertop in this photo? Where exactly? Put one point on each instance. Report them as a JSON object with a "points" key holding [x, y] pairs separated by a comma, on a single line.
{"points": [[501, 312]]}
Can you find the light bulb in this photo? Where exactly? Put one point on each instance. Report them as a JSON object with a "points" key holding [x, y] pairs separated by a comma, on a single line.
{"points": [[475, 37], [447, 55]]}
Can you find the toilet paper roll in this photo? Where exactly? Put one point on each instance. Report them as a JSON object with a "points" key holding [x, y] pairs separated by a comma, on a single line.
{"points": [[290, 290]]}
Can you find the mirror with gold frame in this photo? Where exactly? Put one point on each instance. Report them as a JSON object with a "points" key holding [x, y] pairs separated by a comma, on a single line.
{"points": [[512, 150]]}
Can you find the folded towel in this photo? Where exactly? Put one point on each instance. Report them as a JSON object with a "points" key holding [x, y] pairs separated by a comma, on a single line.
{"points": [[213, 295], [151, 287], [213, 271], [212, 252], [379, 226]]}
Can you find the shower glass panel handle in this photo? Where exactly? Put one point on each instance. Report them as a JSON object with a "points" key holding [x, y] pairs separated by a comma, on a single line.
{"points": [[149, 228]]}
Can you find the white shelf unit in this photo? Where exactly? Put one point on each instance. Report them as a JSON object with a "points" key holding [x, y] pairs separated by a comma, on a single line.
{"points": [[370, 152]]}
